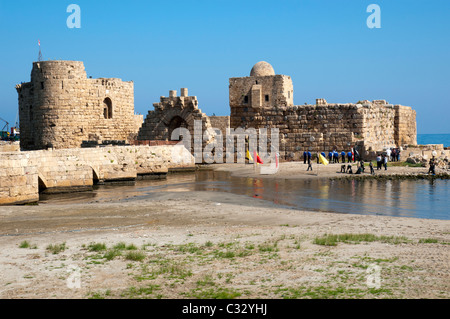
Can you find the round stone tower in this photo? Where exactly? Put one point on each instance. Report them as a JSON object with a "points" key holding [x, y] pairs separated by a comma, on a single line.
{"points": [[60, 107], [44, 102]]}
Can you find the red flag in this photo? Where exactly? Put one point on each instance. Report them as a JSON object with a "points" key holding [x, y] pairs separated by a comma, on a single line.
{"points": [[259, 159], [39, 42]]}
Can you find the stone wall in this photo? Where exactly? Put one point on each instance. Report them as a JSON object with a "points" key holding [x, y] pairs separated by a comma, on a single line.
{"points": [[60, 107], [9, 146], [24, 174], [405, 125], [220, 122], [18, 179], [266, 101]]}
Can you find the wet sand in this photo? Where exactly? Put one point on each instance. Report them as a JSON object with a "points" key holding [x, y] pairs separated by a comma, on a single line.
{"points": [[217, 245], [298, 170]]}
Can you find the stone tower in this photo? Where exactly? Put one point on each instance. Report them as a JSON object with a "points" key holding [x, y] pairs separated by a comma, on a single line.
{"points": [[263, 89], [60, 107], [264, 100]]}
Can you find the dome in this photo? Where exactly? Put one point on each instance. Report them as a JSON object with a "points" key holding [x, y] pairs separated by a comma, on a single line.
{"points": [[262, 69]]}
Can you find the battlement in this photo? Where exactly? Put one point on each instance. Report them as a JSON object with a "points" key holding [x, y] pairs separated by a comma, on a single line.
{"points": [[183, 101]]}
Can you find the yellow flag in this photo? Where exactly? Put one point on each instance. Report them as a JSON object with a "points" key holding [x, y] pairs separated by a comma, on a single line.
{"points": [[323, 160], [249, 157]]}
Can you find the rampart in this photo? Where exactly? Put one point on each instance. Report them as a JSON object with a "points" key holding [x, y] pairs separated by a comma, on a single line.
{"points": [[24, 174]]}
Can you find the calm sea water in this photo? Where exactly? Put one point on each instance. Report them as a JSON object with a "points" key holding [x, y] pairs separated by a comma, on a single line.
{"points": [[434, 139], [404, 198]]}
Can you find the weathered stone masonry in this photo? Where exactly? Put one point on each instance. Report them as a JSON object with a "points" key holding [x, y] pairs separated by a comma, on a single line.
{"points": [[60, 107], [24, 174], [265, 100]]}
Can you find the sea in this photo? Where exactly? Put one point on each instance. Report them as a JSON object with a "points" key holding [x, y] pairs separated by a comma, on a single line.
{"points": [[434, 139]]}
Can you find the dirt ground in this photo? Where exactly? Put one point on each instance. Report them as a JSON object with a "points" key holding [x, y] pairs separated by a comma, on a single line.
{"points": [[217, 245]]}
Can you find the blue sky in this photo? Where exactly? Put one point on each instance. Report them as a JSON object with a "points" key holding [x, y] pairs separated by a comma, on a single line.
{"points": [[324, 45]]}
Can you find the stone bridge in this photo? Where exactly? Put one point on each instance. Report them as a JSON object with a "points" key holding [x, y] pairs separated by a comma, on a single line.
{"points": [[23, 175]]}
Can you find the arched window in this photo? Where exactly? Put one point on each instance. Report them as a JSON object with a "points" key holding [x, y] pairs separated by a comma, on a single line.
{"points": [[107, 108]]}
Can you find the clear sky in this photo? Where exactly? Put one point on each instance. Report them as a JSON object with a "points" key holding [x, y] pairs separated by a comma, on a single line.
{"points": [[325, 45]]}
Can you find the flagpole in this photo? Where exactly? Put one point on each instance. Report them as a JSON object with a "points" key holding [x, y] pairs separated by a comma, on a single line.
{"points": [[318, 166], [40, 53]]}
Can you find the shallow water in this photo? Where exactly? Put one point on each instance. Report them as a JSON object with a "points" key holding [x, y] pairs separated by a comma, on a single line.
{"points": [[404, 198]]}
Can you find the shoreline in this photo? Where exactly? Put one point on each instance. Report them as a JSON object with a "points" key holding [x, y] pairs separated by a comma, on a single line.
{"points": [[297, 170], [207, 245]]}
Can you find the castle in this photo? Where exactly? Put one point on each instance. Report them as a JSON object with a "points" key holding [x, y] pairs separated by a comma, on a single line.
{"points": [[62, 108], [264, 100]]}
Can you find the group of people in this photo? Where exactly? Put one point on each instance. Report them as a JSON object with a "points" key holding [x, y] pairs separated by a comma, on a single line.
{"points": [[334, 156], [382, 160], [393, 154]]}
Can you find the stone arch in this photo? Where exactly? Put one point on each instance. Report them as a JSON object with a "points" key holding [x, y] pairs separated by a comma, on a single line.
{"points": [[107, 108], [42, 183], [176, 122], [95, 176]]}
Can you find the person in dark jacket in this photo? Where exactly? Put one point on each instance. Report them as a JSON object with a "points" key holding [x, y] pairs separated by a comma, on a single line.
{"points": [[349, 157], [309, 164], [304, 157], [432, 166]]}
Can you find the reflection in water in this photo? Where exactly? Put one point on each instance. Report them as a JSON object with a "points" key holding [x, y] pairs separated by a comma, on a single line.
{"points": [[406, 198]]}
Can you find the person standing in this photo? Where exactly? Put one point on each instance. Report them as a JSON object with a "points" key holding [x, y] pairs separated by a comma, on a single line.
{"points": [[432, 166], [343, 157], [357, 157], [372, 172], [393, 155], [349, 157], [304, 157], [309, 164], [330, 157], [385, 161], [379, 162]]}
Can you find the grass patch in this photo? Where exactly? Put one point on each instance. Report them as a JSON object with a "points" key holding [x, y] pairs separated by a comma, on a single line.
{"points": [[267, 247], [333, 240], [26, 244], [189, 248], [170, 270], [324, 292], [214, 293], [56, 248], [96, 247], [428, 241], [112, 253], [99, 295], [135, 255], [134, 292]]}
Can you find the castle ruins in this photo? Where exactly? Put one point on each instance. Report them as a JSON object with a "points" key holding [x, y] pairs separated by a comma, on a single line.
{"points": [[61, 108]]}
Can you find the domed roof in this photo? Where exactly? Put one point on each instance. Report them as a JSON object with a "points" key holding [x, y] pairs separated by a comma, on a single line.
{"points": [[262, 69]]}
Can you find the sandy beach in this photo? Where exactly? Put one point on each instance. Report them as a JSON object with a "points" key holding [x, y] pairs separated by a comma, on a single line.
{"points": [[219, 245]]}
